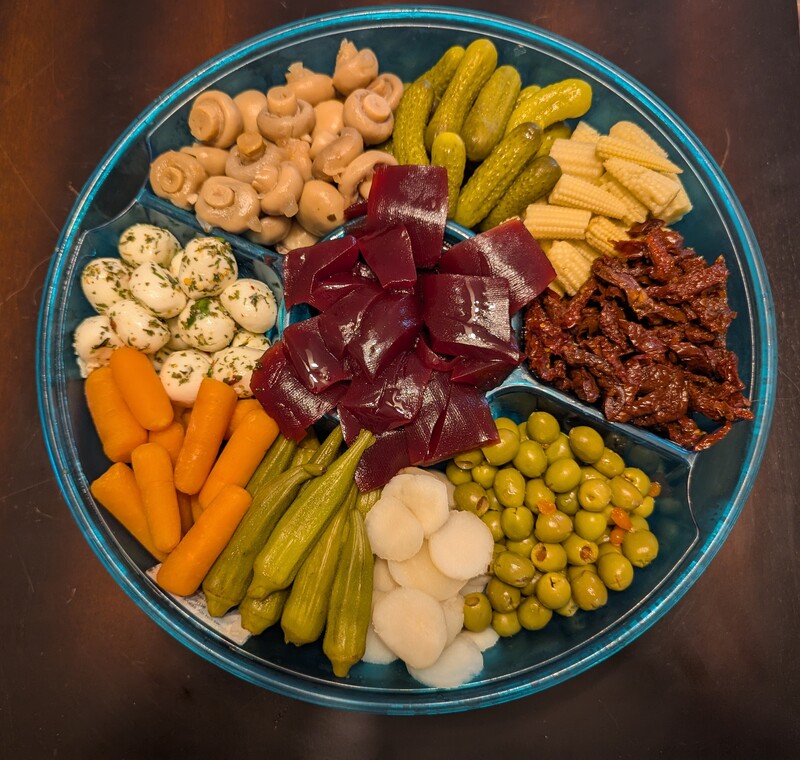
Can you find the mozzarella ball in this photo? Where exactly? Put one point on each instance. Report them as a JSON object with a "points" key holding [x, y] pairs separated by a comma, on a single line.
{"points": [[104, 282], [137, 327], [146, 242], [247, 339], [207, 268], [175, 264], [251, 303], [159, 357], [234, 366], [157, 290], [206, 326], [94, 342], [182, 373], [177, 336]]}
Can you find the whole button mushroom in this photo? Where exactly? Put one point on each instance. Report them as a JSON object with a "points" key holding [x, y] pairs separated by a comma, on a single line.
{"points": [[360, 170], [250, 154], [285, 115], [215, 119], [177, 176], [250, 103], [211, 159], [208, 266], [329, 117], [370, 114], [321, 207], [229, 204], [388, 86], [331, 161], [297, 237], [354, 68], [308, 85], [143, 242], [273, 230], [279, 189], [298, 152]]}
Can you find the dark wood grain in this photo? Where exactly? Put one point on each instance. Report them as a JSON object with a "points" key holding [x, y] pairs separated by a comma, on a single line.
{"points": [[84, 674]]}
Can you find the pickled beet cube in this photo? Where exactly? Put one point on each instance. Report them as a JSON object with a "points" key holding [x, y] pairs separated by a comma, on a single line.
{"points": [[382, 461], [389, 327], [388, 253], [507, 251], [284, 397], [313, 363], [340, 324], [304, 269], [416, 197]]}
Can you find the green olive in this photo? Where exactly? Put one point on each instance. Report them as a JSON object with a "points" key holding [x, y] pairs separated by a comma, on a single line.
{"points": [[531, 587], [553, 590], [513, 569], [638, 522], [504, 450], [568, 502], [536, 491], [506, 623], [533, 615], [517, 522], [522, 428], [640, 547], [507, 422], [586, 443], [552, 528], [639, 478], [492, 520], [589, 525], [502, 596], [594, 495], [615, 570], [548, 557], [470, 497], [609, 464], [483, 474], [575, 571], [477, 612], [530, 460], [456, 475], [558, 449], [624, 494], [579, 550], [466, 460], [608, 548], [569, 609], [645, 509], [509, 487], [563, 475], [591, 473], [523, 547], [543, 427], [494, 505], [589, 592]]}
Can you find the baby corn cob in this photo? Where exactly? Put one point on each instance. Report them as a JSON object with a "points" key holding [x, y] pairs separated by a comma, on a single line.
{"points": [[546, 221], [571, 266], [635, 210], [577, 158], [601, 234], [613, 147], [579, 193], [633, 133], [679, 206], [653, 189], [585, 132]]}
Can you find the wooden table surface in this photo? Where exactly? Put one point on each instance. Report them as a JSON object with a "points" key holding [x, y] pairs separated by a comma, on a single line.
{"points": [[85, 674]]}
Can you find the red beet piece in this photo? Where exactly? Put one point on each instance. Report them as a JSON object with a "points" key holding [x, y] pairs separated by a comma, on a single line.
{"points": [[335, 287], [484, 375], [388, 253], [339, 324], [315, 366], [392, 399], [276, 385], [416, 197], [355, 210], [507, 251], [434, 401], [466, 423], [304, 269], [468, 316], [381, 461], [430, 358], [389, 328]]}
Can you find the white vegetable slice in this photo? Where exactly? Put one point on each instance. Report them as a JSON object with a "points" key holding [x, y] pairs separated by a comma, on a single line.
{"points": [[94, 342], [476, 584], [377, 653], [146, 242], [157, 290], [381, 577], [393, 530], [440, 476], [458, 663], [485, 639], [137, 327], [418, 572], [462, 548], [412, 625], [453, 609], [251, 303], [424, 495]]}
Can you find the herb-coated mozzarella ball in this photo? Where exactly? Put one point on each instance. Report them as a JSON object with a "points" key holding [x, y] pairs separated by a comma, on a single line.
{"points": [[251, 304], [207, 267], [94, 342], [146, 242], [182, 373], [234, 366], [175, 264], [157, 290], [137, 327], [206, 326], [104, 282], [159, 357], [177, 337], [247, 339]]}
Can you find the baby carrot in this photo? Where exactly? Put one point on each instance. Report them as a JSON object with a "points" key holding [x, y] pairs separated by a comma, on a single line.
{"points": [[183, 570], [117, 491], [196, 509], [141, 388], [153, 470], [211, 414], [243, 407], [241, 455], [185, 508], [171, 438], [117, 428]]}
